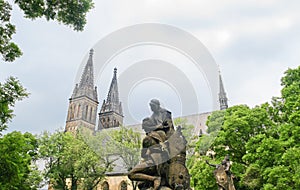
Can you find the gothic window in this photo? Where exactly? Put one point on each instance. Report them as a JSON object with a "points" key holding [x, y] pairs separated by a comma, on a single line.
{"points": [[72, 111], [123, 185], [105, 186], [78, 110], [86, 111], [75, 111], [91, 113]]}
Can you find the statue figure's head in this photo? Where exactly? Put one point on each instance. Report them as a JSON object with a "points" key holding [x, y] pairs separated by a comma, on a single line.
{"points": [[147, 121], [147, 124], [155, 105]]}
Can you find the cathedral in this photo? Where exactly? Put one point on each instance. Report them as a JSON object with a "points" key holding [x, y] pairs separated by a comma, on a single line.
{"points": [[83, 104], [83, 108]]}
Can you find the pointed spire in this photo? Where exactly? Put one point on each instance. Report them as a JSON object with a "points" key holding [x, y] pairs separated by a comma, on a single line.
{"points": [[115, 73], [221, 90], [86, 86], [222, 95], [112, 102], [87, 77], [113, 94]]}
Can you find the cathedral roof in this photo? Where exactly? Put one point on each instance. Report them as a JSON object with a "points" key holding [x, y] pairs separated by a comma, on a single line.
{"points": [[112, 102], [86, 86]]}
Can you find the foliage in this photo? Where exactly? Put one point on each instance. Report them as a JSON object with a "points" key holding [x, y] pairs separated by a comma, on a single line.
{"points": [[69, 157], [188, 133], [214, 124], [202, 177], [263, 142], [17, 155], [187, 129], [290, 96], [69, 12], [118, 146], [8, 49], [201, 173], [98, 143], [215, 121], [10, 92], [127, 144], [117, 143]]}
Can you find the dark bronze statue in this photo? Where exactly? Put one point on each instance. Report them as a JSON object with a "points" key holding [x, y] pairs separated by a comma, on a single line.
{"points": [[223, 175], [163, 154]]}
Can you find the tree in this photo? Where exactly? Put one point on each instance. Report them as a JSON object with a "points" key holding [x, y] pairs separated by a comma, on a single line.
{"points": [[69, 12], [10, 92], [202, 174], [290, 96], [17, 155], [214, 123], [188, 133], [187, 129], [18, 151], [263, 142], [241, 124], [19, 173], [202, 177], [275, 154], [69, 157], [127, 145], [122, 145], [51, 149]]}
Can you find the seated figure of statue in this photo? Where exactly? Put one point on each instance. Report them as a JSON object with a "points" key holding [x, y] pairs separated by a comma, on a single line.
{"points": [[154, 152], [160, 119]]}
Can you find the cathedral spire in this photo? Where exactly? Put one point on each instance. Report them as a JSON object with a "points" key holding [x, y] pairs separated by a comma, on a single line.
{"points": [[222, 95], [83, 103], [87, 77], [112, 102], [111, 114], [86, 86], [113, 94]]}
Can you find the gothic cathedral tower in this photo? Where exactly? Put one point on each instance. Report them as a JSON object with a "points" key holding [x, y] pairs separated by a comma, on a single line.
{"points": [[83, 103], [222, 95], [111, 114]]}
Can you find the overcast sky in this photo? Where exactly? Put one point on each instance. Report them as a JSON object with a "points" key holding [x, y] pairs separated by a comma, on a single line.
{"points": [[252, 42]]}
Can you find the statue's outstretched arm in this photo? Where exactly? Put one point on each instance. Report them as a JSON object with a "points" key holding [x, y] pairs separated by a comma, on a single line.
{"points": [[212, 165]]}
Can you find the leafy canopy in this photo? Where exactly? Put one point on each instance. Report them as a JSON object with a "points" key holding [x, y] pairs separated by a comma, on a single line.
{"points": [[10, 92], [17, 154], [68, 12], [263, 142]]}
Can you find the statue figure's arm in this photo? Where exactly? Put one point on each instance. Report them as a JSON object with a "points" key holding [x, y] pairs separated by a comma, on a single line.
{"points": [[212, 165], [152, 127]]}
